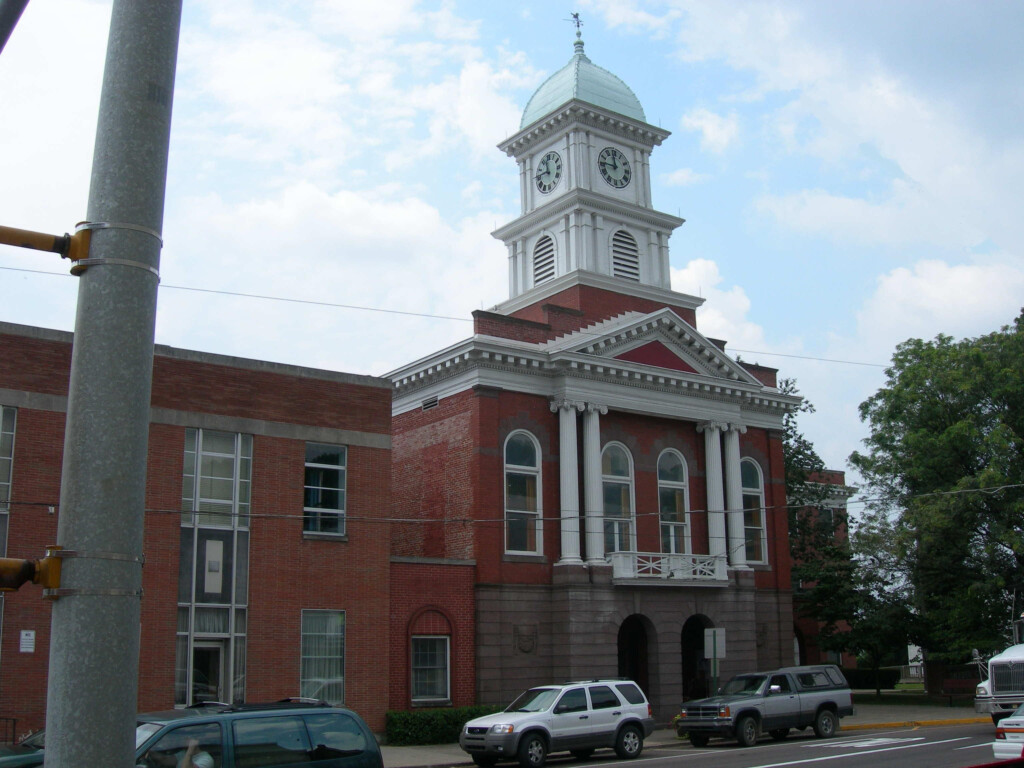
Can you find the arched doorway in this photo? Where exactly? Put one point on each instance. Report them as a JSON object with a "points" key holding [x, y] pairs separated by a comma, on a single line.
{"points": [[633, 654], [696, 670]]}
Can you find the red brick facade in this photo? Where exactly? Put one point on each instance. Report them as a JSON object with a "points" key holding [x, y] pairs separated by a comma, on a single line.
{"points": [[288, 571]]}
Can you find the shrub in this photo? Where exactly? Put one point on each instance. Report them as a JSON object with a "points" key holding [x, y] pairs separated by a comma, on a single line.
{"points": [[431, 726]]}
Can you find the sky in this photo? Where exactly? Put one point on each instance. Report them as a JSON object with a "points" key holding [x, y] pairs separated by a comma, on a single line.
{"points": [[851, 172]]}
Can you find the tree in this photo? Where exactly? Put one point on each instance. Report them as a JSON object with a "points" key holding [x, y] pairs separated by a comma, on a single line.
{"points": [[944, 466]]}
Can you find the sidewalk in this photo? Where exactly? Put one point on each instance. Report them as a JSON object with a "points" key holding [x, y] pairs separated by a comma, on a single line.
{"points": [[867, 716]]}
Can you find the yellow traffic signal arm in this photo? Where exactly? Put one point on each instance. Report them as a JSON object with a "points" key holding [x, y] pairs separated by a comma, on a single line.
{"points": [[46, 572], [74, 247]]}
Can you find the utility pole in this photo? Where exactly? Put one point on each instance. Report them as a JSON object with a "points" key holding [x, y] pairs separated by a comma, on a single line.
{"points": [[94, 646]]}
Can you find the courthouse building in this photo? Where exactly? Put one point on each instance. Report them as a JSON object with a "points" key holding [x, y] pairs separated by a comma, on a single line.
{"points": [[611, 478]]}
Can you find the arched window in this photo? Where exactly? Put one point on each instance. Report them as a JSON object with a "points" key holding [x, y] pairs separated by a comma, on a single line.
{"points": [[673, 503], [753, 511], [430, 658], [625, 256], [543, 260], [617, 483], [522, 494]]}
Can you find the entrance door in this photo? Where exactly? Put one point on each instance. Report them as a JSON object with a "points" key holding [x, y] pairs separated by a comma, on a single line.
{"points": [[633, 652], [208, 680]]}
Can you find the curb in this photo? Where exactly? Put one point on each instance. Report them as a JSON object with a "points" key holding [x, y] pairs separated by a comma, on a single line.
{"points": [[916, 723]]}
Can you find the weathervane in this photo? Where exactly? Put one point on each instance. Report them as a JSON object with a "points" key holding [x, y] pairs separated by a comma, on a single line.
{"points": [[576, 20]]}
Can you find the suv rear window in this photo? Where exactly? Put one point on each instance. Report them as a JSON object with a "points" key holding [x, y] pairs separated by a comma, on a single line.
{"points": [[813, 680], [603, 697], [630, 693], [835, 675]]}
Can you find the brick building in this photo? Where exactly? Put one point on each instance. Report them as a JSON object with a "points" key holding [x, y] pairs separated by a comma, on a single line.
{"points": [[272, 582], [609, 478]]}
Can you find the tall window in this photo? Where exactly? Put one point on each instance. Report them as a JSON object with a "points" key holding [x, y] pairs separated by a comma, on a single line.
{"points": [[522, 494], [324, 502], [213, 573], [543, 260], [617, 483], [753, 511], [625, 256], [322, 672], [673, 503], [430, 663], [7, 419]]}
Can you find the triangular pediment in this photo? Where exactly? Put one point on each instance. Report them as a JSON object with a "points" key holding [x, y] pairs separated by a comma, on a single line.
{"points": [[659, 339]]}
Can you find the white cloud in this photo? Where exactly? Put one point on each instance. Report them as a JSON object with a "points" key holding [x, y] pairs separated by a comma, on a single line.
{"points": [[724, 313], [684, 177], [717, 132]]}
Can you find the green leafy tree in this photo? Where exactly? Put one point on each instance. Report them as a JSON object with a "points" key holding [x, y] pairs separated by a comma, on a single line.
{"points": [[944, 466]]}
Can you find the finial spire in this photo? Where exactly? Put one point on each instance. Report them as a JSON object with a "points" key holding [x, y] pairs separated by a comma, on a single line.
{"points": [[578, 22]]}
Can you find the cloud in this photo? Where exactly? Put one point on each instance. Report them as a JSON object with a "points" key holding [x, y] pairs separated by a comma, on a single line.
{"points": [[724, 313], [717, 132], [684, 177]]}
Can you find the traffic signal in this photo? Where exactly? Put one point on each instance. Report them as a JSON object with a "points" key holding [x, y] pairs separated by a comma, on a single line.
{"points": [[14, 571]]}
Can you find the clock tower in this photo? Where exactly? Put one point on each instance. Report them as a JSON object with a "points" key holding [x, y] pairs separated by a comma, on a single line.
{"points": [[583, 151]]}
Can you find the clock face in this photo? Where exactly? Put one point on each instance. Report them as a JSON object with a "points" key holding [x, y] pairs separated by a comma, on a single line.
{"points": [[549, 171], [614, 167]]}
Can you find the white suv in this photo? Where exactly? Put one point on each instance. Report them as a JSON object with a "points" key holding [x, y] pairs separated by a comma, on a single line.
{"points": [[576, 717]]}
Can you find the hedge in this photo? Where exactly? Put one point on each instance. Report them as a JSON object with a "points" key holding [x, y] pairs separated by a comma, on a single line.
{"points": [[431, 726]]}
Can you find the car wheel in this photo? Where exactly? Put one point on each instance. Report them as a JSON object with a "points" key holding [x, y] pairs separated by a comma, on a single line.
{"points": [[746, 731], [484, 762], [630, 742], [581, 754], [699, 740], [533, 751], [779, 733], [825, 724]]}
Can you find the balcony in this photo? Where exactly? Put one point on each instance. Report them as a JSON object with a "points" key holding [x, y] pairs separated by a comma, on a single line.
{"points": [[665, 568]]}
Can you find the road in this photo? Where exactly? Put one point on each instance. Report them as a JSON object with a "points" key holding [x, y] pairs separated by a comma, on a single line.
{"points": [[956, 746]]}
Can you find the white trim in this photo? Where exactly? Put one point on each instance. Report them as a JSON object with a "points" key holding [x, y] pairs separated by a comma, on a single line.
{"points": [[522, 469], [760, 492], [616, 479], [684, 486]]}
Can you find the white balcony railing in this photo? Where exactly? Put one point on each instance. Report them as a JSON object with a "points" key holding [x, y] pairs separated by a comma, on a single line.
{"points": [[660, 566]]}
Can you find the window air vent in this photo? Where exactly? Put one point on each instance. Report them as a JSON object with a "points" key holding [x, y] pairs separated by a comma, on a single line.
{"points": [[430, 402], [543, 260], [625, 256]]}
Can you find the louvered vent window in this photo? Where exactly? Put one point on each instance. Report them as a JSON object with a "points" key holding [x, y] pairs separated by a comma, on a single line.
{"points": [[543, 260], [625, 256]]}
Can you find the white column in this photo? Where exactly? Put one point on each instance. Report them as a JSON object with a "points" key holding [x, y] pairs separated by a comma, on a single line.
{"points": [[713, 474], [568, 466], [734, 497], [593, 498]]}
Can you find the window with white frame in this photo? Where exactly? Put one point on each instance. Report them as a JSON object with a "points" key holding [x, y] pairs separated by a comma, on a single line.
{"points": [[617, 485], [213, 571], [522, 494], [543, 260], [324, 501], [753, 511], [430, 668], [673, 503], [322, 669], [8, 416]]}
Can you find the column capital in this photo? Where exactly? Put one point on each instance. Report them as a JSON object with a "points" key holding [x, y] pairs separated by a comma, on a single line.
{"points": [[594, 408], [738, 428], [711, 426], [564, 403]]}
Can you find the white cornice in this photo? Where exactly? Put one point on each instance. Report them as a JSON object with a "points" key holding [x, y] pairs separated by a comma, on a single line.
{"points": [[578, 112], [592, 202], [594, 280]]}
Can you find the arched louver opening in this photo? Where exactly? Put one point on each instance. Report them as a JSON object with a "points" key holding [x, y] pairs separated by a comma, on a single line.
{"points": [[543, 260], [625, 256]]}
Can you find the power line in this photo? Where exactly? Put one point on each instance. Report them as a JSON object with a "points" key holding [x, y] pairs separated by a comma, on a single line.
{"points": [[428, 315]]}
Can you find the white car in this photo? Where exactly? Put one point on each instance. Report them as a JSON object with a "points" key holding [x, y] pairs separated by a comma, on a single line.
{"points": [[578, 717], [1009, 743]]}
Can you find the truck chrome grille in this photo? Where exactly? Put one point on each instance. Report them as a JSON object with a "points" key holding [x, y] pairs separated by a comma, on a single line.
{"points": [[1008, 677]]}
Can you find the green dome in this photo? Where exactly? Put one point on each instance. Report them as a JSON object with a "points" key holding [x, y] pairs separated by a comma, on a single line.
{"points": [[583, 80]]}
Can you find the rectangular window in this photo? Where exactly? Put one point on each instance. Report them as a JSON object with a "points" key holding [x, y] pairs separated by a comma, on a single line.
{"points": [[430, 680], [7, 419], [324, 502], [753, 525], [322, 673]]}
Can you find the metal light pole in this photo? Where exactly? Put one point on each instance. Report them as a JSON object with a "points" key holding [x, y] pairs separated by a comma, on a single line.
{"points": [[94, 646]]}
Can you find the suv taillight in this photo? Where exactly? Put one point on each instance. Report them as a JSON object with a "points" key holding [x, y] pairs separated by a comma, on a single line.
{"points": [[1000, 733], [650, 712]]}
